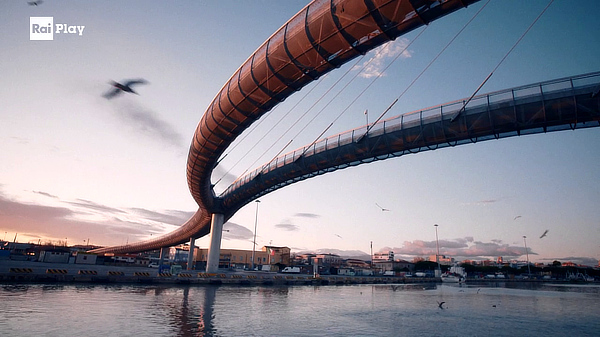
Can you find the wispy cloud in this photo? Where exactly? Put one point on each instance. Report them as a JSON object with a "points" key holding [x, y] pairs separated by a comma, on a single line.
{"points": [[307, 215], [233, 231], [46, 194], [484, 202], [171, 217], [287, 227], [375, 65], [82, 219], [146, 121], [90, 205]]}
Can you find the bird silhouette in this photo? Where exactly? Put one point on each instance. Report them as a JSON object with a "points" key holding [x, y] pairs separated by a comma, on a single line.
{"points": [[440, 305], [125, 87], [35, 3], [518, 216], [544, 234], [382, 209]]}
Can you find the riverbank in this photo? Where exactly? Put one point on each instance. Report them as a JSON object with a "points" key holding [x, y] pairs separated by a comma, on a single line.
{"points": [[40, 272]]}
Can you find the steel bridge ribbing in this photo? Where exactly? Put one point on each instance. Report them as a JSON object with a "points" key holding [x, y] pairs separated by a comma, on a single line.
{"points": [[321, 37], [563, 104]]}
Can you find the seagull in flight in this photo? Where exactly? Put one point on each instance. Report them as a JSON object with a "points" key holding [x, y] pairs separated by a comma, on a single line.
{"points": [[338, 236], [518, 216], [382, 209], [545, 232], [35, 3], [125, 87], [440, 304]]}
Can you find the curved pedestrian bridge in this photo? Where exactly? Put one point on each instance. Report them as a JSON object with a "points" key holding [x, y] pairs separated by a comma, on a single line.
{"points": [[562, 104]]}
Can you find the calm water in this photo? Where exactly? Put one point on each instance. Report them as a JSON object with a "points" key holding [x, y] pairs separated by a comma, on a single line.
{"points": [[360, 310]]}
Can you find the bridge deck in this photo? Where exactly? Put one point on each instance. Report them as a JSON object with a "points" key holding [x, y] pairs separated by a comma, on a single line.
{"points": [[563, 104]]}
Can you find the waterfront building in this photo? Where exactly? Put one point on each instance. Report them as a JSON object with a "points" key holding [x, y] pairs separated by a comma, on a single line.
{"points": [[55, 255], [442, 259], [328, 260], [270, 258], [399, 265], [381, 257]]}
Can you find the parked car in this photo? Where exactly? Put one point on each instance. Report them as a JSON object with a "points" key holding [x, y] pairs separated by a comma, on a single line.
{"points": [[291, 270], [153, 265]]}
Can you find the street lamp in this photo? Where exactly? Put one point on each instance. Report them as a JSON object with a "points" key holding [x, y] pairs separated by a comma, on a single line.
{"points": [[254, 241], [372, 255], [437, 246], [527, 254]]}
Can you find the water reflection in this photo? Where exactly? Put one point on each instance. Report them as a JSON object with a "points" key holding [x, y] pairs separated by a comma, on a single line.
{"points": [[191, 312]]}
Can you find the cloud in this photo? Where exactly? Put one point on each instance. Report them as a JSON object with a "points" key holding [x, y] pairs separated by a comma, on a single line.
{"points": [[94, 206], [376, 65], [146, 121], [482, 202], [82, 219], [223, 176], [233, 231], [171, 217], [287, 227], [46, 194], [307, 215], [20, 140], [461, 248]]}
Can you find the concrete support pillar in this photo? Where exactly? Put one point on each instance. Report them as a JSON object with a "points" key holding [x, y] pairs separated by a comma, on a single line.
{"points": [[164, 255], [190, 261], [214, 250]]}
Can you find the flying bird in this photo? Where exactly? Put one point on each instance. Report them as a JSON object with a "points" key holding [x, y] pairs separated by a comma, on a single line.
{"points": [[338, 236], [125, 87], [440, 305], [545, 232], [382, 209], [518, 216], [35, 3]]}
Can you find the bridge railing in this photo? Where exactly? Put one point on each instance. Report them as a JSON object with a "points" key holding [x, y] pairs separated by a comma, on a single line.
{"points": [[426, 116]]}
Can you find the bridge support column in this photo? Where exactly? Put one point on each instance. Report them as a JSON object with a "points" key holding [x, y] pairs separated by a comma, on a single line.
{"points": [[214, 250], [164, 254], [190, 261]]}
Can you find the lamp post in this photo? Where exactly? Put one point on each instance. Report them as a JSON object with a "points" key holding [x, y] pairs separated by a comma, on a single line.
{"points": [[437, 246], [527, 254], [254, 241], [371, 254]]}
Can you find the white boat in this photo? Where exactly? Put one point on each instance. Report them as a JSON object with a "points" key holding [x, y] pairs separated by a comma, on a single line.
{"points": [[456, 274]]}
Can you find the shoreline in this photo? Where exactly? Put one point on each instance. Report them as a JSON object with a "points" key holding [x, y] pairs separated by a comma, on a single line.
{"points": [[42, 272]]}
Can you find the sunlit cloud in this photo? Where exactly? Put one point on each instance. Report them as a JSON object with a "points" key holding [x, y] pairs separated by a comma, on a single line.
{"points": [[375, 66], [82, 219], [461, 248]]}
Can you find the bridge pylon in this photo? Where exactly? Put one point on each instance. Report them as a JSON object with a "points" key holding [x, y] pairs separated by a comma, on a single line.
{"points": [[214, 251]]}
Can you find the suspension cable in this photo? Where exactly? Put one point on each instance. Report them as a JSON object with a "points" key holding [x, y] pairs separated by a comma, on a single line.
{"points": [[369, 127], [501, 61]]}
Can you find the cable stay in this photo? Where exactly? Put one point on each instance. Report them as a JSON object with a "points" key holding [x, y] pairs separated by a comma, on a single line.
{"points": [[360, 94], [369, 127], [501, 61]]}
